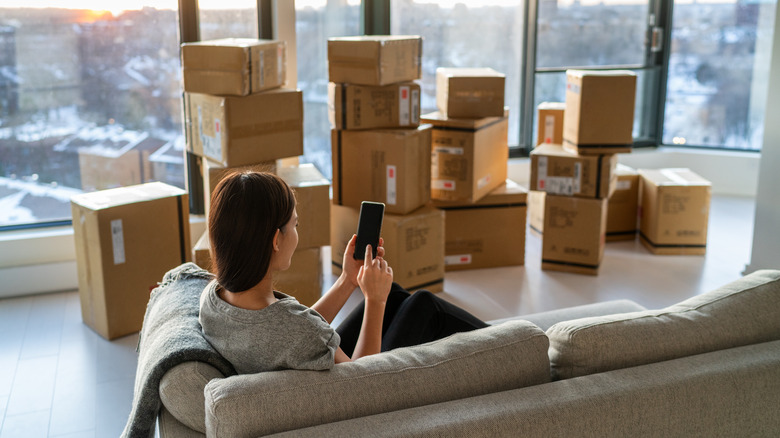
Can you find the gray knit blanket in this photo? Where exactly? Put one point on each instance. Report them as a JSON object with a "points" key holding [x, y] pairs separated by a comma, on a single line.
{"points": [[171, 335]]}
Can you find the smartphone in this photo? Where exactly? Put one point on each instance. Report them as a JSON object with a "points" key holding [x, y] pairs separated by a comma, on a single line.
{"points": [[369, 227]]}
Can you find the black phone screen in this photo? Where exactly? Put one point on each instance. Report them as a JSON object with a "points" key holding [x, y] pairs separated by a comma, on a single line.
{"points": [[369, 228]]}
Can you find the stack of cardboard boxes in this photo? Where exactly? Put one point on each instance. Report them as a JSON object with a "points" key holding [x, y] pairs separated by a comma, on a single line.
{"points": [[381, 153], [578, 174], [485, 212], [238, 117]]}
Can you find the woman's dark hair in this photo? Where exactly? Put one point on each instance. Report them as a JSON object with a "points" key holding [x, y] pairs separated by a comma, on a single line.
{"points": [[246, 210]]}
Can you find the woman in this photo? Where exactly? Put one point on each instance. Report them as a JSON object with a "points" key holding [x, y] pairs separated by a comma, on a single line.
{"points": [[252, 231]]}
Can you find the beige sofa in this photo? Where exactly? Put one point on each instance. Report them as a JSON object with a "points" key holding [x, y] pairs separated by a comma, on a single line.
{"points": [[709, 366]]}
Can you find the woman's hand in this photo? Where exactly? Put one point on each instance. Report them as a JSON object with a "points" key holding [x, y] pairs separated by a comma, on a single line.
{"points": [[375, 277], [350, 266]]}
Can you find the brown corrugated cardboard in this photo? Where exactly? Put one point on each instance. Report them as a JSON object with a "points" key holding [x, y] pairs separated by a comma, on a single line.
{"points": [[486, 234], [200, 252], [574, 229], [414, 244], [352, 106], [312, 194], [126, 240], [375, 59], [471, 93], [468, 156], [303, 279], [550, 122], [674, 211], [392, 166], [623, 205], [213, 173], [559, 172], [237, 131], [536, 211], [599, 114], [233, 66]]}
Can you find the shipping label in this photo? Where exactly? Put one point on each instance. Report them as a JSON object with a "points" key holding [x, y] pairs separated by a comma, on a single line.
{"points": [[392, 178], [458, 259], [118, 241], [404, 108]]}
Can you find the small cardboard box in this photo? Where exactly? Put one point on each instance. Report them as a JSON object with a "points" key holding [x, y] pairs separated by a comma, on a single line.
{"points": [[352, 106], [392, 166], [303, 279], [550, 123], [599, 115], [623, 205], [470, 244], [213, 173], [414, 244], [471, 93], [468, 156], [536, 211], [201, 254], [233, 66], [312, 194], [375, 59], [574, 230], [559, 172], [237, 131], [126, 240], [674, 211]]}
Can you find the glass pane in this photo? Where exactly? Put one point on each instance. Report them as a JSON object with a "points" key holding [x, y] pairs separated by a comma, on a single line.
{"points": [[89, 100], [231, 19], [591, 33], [466, 33], [315, 22], [718, 74]]}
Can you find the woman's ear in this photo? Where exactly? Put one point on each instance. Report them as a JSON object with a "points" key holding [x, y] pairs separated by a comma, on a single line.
{"points": [[276, 239]]}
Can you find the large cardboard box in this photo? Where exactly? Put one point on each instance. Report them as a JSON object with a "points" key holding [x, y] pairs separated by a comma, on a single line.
{"points": [[536, 211], [201, 255], [303, 279], [471, 93], [126, 240], [414, 244], [233, 66], [468, 156], [213, 173], [392, 166], [375, 59], [489, 233], [353, 106], [599, 115], [550, 122], [236, 131], [312, 194], [559, 172], [574, 230], [674, 211], [623, 205]]}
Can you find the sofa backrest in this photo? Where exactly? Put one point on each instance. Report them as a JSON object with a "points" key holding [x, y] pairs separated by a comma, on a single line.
{"points": [[497, 358], [743, 312]]}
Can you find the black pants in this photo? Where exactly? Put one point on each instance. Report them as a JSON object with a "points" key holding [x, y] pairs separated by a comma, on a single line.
{"points": [[410, 319]]}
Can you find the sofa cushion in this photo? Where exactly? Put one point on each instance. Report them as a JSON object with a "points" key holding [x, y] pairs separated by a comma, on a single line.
{"points": [[740, 313], [496, 358], [545, 320], [181, 392]]}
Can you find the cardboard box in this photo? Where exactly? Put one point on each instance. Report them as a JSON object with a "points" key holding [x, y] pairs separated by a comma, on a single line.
{"points": [[470, 244], [375, 59], [392, 166], [352, 106], [599, 116], [126, 240], [574, 234], [213, 173], [468, 156], [312, 194], [471, 93], [674, 211], [303, 279], [233, 66], [559, 172], [201, 254], [237, 131], [623, 205], [550, 122], [414, 244], [536, 211]]}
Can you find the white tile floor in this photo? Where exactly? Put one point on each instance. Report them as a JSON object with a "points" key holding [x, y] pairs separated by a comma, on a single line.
{"points": [[59, 379]]}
